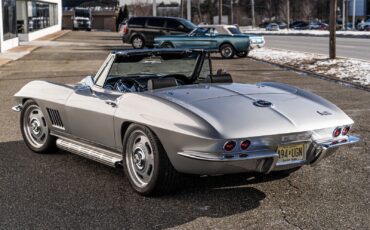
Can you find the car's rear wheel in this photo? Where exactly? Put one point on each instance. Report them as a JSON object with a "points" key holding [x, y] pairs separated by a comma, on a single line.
{"points": [[146, 163], [35, 130], [242, 54], [167, 45], [227, 51], [138, 42]]}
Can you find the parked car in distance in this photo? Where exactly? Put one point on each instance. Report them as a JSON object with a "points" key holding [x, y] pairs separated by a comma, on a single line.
{"points": [[317, 25], [272, 27], [364, 24], [301, 26], [82, 19], [282, 25], [121, 27], [164, 113], [226, 39], [141, 31]]}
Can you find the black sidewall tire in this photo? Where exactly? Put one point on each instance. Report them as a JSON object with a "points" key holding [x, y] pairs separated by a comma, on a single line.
{"points": [[163, 167], [232, 51], [50, 144], [242, 54], [142, 40]]}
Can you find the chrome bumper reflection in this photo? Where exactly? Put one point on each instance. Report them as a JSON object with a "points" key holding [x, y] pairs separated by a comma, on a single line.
{"points": [[265, 161], [324, 149]]}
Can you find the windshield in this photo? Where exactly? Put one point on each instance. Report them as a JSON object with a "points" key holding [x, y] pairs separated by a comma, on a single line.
{"points": [[162, 65], [234, 30], [188, 24], [82, 13]]}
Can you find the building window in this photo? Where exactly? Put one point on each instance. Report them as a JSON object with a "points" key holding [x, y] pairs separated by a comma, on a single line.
{"points": [[41, 15], [9, 19]]}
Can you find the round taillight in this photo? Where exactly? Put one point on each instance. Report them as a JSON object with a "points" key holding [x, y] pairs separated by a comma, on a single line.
{"points": [[345, 130], [337, 132], [230, 145], [244, 145]]}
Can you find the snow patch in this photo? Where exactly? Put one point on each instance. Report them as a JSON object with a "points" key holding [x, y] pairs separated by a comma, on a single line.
{"points": [[303, 32], [353, 70]]}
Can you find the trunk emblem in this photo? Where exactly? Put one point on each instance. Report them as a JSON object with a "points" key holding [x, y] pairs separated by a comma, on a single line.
{"points": [[262, 103]]}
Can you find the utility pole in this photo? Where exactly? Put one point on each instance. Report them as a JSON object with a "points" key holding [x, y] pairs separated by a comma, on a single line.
{"points": [[288, 13], [353, 14], [189, 10], [344, 15], [220, 12], [333, 23], [154, 8], [253, 19], [231, 12]]}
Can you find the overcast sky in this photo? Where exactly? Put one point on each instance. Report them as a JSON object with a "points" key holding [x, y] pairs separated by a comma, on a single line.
{"points": [[123, 2]]}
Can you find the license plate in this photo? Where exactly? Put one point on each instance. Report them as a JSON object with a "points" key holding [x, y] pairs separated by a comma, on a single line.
{"points": [[291, 152]]}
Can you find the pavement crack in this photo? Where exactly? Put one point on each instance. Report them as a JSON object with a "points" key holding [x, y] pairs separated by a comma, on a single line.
{"points": [[282, 211], [292, 185]]}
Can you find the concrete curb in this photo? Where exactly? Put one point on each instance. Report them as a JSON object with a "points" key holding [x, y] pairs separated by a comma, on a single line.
{"points": [[317, 75]]}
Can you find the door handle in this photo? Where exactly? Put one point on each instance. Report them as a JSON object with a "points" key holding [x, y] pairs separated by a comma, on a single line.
{"points": [[111, 103]]}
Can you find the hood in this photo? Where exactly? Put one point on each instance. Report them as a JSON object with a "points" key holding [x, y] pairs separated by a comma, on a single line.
{"points": [[231, 109]]}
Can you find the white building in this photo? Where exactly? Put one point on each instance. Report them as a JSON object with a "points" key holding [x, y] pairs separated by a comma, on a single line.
{"points": [[27, 20]]}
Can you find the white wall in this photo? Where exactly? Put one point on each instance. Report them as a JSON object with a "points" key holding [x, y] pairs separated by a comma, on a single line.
{"points": [[39, 33], [10, 43]]}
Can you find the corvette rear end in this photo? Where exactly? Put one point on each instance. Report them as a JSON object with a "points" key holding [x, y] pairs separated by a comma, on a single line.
{"points": [[163, 113]]}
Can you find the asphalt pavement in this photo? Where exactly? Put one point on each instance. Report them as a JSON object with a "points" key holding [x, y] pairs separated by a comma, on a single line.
{"points": [[64, 191], [358, 48]]}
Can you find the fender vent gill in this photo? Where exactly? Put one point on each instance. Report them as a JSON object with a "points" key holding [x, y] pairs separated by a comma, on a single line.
{"points": [[55, 118]]}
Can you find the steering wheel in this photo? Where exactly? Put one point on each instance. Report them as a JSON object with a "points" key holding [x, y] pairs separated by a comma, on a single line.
{"points": [[127, 86], [180, 77]]}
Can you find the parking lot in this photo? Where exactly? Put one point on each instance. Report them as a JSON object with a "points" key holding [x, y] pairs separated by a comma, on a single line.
{"points": [[63, 190]]}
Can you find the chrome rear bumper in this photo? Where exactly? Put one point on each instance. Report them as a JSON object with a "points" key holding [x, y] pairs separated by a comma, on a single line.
{"points": [[258, 161]]}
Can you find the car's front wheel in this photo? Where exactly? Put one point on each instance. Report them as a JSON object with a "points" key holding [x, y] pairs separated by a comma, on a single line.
{"points": [[35, 130], [227, 51], [146, 163], [242, 54], [138, 42]]}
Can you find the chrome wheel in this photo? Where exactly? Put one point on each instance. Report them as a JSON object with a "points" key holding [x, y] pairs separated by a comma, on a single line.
{"points": [[227, 51], [139, 158], [34, 127], [137, 43]]}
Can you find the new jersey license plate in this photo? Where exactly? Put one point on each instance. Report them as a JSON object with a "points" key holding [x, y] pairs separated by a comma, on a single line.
{"points": [[291, 152]]}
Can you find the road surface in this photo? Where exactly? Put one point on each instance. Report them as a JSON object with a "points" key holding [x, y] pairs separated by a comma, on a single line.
{"points": [[64, 191], [346, 47]]}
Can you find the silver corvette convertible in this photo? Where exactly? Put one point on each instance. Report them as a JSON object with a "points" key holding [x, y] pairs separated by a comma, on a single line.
{"points": [[165, 113]]}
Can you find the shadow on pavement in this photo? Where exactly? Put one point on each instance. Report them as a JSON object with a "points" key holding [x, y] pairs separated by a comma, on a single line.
{"points": [[65, 190]]}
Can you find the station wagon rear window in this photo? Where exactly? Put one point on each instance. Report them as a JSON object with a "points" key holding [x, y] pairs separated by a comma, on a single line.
{"points": [[137, 22], [156, 22]]}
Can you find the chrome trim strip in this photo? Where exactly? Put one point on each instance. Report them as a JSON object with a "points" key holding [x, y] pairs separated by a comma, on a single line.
{"points": [[219, 157], [350, 140], [94, 153], [17, 108]]}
